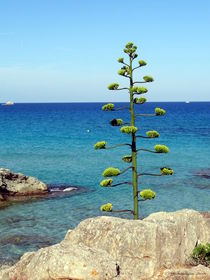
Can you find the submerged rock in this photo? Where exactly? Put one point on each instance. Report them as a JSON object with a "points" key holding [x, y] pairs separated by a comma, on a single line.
{"points": [[157, 247]]}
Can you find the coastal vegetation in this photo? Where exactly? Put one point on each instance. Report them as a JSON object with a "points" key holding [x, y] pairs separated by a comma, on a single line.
{"points": [[134, 89]]}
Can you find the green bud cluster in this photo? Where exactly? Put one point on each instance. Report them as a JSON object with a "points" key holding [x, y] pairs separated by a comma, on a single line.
{"points": [[116, 122], [148, 79], [100, 145], [108, 107], [127, 158], [106, 183], [140, 100], [142, 63], [160, 112], [128, 129], [106, 207], [113, 86], [147, 194], [130, 49], [111, 171], [120, 60], [138, 90], [162, 149], [152, 134], [166, 171]]}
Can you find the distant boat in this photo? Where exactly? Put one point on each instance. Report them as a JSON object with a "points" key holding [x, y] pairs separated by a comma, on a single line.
{"points": [[187, 102], [9, 103]]}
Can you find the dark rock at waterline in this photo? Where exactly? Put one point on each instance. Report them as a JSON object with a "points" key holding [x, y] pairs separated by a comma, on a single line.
{"points": [[203, 173]]}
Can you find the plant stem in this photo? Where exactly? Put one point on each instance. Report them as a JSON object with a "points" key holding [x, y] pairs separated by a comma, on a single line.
{"points": [[134, 154]]}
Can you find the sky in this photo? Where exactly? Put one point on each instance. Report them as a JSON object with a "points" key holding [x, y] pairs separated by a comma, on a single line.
{"points": [[67, 51]]}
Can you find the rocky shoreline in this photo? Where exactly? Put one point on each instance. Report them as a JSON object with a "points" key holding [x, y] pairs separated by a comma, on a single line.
{"points": [[156, 248], [16, 187]]}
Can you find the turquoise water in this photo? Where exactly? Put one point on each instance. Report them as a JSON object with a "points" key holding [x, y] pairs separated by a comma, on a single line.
{"points": [[52, 142]]}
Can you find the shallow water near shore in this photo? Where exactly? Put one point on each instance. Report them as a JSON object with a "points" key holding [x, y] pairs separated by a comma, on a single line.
{"points": [[54, 142]]}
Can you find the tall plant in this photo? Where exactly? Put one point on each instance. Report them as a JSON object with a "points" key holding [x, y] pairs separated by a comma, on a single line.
{"points": [[127, 71]]}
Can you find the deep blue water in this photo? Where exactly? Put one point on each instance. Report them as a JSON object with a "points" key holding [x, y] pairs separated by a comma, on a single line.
{"points": [[52, 142]]}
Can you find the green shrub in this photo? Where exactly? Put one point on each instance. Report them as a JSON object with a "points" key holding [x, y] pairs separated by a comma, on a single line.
{"points": [[152, 134], [108, 107], [142, 63], [147, 194], [128, 129], [116, 122], [159, 112], [106, 182], [113, 86], [166, 171], [201, 254], [140, 100], [127, 158], [100, 145], [111, 171], [161, 149], [106, 207], [148, 79]]}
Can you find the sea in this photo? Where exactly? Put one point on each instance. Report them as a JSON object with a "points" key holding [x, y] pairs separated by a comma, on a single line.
{"points": [[55, 143]]}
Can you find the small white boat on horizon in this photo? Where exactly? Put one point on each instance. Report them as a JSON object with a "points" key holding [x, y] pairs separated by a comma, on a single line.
{"points": [[8, 103], [187, 102]]}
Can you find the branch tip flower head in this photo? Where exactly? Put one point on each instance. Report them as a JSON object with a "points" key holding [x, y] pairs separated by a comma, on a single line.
{"points": [[129, 129], [127, 158], [113, 86], [162, 149], [111, 171], [106, 183], [116, 122], [100, 145], [108, 107], [152, 134], [147, 194], [106, 207], [160, 112]]}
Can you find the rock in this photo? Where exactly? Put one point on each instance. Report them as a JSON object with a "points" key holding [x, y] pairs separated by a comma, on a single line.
{"points": [[104, 247], [17, 184], [199, 272]]}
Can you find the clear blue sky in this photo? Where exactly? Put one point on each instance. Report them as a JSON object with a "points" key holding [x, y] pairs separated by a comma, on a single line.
{"points": [[64, 50]]}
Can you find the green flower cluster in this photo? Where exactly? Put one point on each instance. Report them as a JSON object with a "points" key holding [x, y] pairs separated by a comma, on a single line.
{"points": [[130, 48], [140, 100], [147, 194], [161, 149], [108, 107], [142, 63], [113, 86], [116, 122], [100, 145], [152, 134], [120, 60], [111, 171], [138, 90], [128, 129], [106, 183], [106, 207], [127, 158], [166, 171], [148, 79], [159, 112]]}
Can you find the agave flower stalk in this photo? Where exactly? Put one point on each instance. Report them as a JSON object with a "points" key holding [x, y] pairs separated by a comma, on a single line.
{"points": [[130, 128]]}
